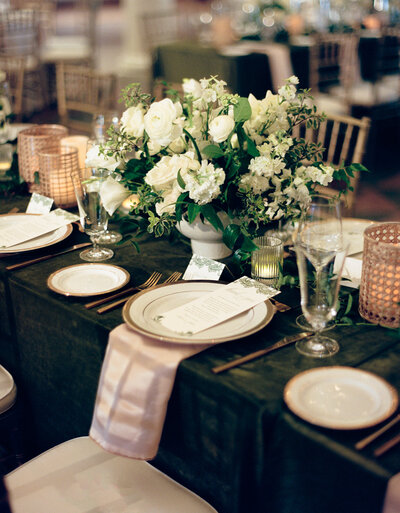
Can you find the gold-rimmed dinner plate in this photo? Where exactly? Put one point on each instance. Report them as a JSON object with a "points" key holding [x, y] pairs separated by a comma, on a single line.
{"points": [[340, 397], [142, 310], [47, 239], [85, 280]]}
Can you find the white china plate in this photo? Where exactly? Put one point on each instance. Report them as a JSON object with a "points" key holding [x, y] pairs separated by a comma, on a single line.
{"points": [[87, 279], [42, 241], [140, 310], [353, 234], [340, 397]]}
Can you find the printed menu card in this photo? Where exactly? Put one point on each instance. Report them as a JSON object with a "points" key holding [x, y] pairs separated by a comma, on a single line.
{"points": [[27, 228], [216, 307]]}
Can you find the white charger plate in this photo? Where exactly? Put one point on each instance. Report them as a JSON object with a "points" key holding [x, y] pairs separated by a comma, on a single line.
{"points": [[340, 397], [87, 279], [42, 241], [141, 310]]}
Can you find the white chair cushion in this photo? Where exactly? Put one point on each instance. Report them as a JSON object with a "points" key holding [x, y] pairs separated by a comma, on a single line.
{"points": [[78, 476], [8, 390]]}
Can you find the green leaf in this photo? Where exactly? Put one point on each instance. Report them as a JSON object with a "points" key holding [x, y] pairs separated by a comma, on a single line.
{"points": [[248, 245], [251, 147], [349, 304], [231, 234], [193, 211], [213, 151], [180, 202], [210, 214], [180, 180], [242, 110]]}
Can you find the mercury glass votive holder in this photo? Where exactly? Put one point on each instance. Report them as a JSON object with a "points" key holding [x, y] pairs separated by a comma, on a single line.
{"points": [[379, 300], [266, 261]]}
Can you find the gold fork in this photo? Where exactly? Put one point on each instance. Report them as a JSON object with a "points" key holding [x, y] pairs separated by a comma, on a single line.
{"points": [[171, 279], [152, 280]]}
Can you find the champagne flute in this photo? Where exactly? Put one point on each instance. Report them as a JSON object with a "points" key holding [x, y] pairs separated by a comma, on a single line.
{"points": [[93, 216], [320, 259]]}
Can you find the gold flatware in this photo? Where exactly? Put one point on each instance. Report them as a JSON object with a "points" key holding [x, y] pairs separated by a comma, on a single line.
{"points": [[281, 307], [252, 356], [386, 446], [46, 257], [171, 279], [153, 278], [370, 438]]}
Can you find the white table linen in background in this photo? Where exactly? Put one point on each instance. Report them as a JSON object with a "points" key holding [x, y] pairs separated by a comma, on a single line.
{"points": [[135, 385]]}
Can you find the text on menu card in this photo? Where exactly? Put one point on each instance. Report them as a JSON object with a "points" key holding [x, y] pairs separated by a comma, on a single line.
{"points": [[216, 307]]}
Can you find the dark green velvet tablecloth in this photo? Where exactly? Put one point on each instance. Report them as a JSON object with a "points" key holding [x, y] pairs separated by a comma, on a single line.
{"points": [[228, 437]]}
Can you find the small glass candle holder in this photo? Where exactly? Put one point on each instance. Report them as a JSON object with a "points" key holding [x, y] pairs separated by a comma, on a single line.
{"points": [[6, 157], [266, 261]]}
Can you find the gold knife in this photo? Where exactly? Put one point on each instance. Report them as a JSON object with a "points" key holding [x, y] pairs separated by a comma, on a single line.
{"points": [[46, 257], [252, 356]]}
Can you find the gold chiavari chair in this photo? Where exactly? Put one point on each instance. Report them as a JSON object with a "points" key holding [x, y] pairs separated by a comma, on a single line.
{"points": [[20, 38], [83, 92], [344, 140]]}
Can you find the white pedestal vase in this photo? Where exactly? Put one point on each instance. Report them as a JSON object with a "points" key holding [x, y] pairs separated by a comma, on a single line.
{"points": [[204, 238]]}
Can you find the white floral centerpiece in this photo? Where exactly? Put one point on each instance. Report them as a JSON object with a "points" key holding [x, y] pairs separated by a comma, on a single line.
{"points": [[216, 157]]}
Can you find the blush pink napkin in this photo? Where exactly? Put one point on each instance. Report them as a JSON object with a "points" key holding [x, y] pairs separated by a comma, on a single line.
{"points": [[135, 385]]}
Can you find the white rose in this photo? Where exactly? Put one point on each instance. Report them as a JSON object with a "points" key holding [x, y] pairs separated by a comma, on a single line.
{"points": [[169, 200], [132, 121], [162, 175], [159, 122], [98, 161], [221, 127], [112, 194]]}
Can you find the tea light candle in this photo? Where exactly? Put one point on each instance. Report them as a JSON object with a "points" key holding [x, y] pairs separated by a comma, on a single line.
{"points": [[79, 142], [61, 189], [266, 261], [129, 203]]}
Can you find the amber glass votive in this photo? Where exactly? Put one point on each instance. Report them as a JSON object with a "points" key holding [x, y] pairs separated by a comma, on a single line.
{"points": [[266, 261], [380, 278]]}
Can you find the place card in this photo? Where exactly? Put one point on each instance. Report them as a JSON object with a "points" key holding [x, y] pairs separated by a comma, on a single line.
{"points": [[39, 204], [203, 268], [216, 307], [26, 229]]}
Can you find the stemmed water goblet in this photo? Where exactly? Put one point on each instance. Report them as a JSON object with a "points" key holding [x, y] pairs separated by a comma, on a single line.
{"points": [[87, 183], [320, 258], [99, 137]]}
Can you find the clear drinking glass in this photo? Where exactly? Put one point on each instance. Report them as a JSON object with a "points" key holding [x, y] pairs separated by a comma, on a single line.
{"points": [[87, 183], [320, 259], [108, 236], [327, 210], [266, 261]]}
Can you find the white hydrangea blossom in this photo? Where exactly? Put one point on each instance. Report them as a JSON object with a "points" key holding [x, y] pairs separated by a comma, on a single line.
{"points": [[257, 184], [204, 185]]}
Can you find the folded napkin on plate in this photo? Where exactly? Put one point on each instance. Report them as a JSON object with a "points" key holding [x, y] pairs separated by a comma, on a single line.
{"points": [[135, 385], [352, 271]]}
